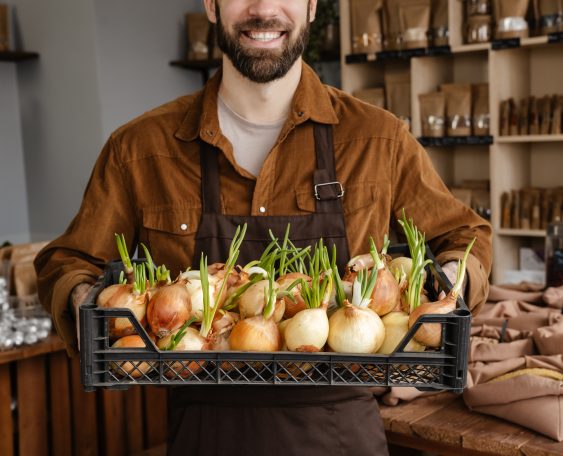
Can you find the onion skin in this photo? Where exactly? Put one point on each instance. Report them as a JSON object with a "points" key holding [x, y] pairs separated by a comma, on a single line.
{"points": [[355, 330], [396, 326], [307, 331], [292, 307], [430, 334], [256, 334], [121, 296], [169, 308], [386, 295], [221, 328], [130, 368], [253, 300]]}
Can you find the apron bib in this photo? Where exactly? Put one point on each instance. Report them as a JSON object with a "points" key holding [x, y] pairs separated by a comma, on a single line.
{"points": [[269, 420]]}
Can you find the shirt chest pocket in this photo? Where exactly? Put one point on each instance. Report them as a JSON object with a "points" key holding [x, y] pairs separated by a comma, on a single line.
{"points": [[170, 232], [356, 197]]}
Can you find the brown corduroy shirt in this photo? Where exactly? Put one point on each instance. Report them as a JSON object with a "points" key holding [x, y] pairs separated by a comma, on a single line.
{"points": [[146, 184]]}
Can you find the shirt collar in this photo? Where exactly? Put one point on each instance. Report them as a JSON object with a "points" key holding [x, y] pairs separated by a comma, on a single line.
{"points": [[310, 101]]}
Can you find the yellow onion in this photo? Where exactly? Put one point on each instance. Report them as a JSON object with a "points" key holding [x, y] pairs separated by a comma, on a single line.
{"points": [[255, 334], [400, 265], [196, 296], [307, 331], [169, 308], [253, 300], [192, 341], [430, 334], [292, 306], [396, 326], [386, 295], [281, 326], [355, 330], [222, 326], [121, 296], [131, 368]]}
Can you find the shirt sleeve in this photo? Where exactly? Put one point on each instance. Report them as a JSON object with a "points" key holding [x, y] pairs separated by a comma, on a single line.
{"points": [[447, 223], [79, 255]]}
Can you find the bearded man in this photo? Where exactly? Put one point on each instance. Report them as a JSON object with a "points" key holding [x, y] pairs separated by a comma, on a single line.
{"points": [[267, 144]]}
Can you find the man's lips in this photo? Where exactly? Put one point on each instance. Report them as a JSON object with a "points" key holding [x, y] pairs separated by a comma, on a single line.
{"points": [[263, 36]]}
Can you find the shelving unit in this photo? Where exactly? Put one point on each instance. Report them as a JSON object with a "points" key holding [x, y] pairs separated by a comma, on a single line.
{"points": [[513, 68], [17, 56]]}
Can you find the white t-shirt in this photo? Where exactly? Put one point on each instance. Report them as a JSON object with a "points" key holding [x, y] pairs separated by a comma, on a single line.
{"points": [[251, 142]]}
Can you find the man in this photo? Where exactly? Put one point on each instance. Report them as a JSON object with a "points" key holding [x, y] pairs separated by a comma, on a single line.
{"points": [[264, 143]]}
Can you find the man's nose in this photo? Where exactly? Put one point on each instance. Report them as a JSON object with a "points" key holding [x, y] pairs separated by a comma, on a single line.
{"points": [[264, 8]]}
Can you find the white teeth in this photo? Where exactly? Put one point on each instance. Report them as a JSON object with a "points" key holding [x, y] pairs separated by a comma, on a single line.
{"points": [[264, 36]]}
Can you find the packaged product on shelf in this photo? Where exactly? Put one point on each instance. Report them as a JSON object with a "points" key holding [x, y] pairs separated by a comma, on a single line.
{"points": [[549, 15], [398, 91], [515, 210], [414, 22], [556, 117], [374, 96], [513, 117], [4, 40], [534, 123], [531, 208], [524, 116], [432, 114], [365, 24], [504, 123], [458, 109], [510, 19], [481, 116], [479, 29], [477, 7], [546, 110], [440, 26], [198, 29], [505, 204], [392, 39]]}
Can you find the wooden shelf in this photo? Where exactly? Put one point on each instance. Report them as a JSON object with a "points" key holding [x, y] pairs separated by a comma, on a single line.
{"points": [[465, 48], [398, 55], [533, 41], [450, 141], [203, 66], [520, 233], [17, 56], [529, 139], [52, 344]]}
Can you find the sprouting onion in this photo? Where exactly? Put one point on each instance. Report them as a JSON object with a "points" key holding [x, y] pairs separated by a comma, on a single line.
{"points": [[417, 248], [150, 266], [177, 338]]}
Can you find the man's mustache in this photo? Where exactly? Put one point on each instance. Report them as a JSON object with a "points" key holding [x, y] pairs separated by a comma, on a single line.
{"points": [[263, 24]]}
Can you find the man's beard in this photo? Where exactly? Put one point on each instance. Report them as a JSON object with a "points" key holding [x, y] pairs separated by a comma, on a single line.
{"points": [[262, 65]]}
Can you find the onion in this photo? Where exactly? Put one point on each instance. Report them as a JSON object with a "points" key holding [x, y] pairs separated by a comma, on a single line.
{"points": [[131, 368], [191, 341], [386, 295], [399, 265], [222, 326], [169, 308], [298, 303], [122, 297], [253, 300], [255, 334], [396, 326], [196, 296], [307, 331], [355, 330], [356, 264]]}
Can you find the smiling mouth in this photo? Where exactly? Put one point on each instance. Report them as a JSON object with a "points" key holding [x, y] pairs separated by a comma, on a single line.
{"points": [[263, 36]]}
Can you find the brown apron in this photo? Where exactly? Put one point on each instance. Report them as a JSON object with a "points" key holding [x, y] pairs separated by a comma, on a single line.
{"points": [[273, 420]]}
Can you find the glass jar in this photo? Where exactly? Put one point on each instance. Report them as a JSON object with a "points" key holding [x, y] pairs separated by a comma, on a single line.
{"points": [[477, 7], [479, 29], [554, 255]]}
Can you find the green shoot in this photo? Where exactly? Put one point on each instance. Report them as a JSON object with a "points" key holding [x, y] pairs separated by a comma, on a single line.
{"points": [[338, 285], [162, 275], [461, 266], [364, 283], [317, 293], [140, 282], [124, 255], [150, 266], [175, 340], [122, 279]]}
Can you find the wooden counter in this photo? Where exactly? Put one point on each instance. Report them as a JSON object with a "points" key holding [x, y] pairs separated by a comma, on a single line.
{"points": [[442, 424]]}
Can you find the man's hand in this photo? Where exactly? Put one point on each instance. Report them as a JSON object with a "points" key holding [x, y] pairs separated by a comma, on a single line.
{"points": [[450, 270], [78, 297]]}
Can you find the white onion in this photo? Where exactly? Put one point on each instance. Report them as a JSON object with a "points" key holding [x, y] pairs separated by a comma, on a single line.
{"points": [[396, 326], [253, 300], [255, 334], [355, 330], [307, 331]]}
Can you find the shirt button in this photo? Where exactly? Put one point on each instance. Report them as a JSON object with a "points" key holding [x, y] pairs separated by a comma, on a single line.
{"points": [[184, 227], [262, 210], [300, 113]]}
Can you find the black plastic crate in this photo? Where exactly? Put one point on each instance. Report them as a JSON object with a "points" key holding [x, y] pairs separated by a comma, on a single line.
{"points": [[440, 369]]}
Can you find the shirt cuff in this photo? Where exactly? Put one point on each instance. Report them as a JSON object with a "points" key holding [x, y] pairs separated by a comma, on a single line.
{"points": [[65, 325]]}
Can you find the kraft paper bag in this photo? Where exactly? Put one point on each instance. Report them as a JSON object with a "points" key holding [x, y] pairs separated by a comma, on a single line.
{"points": [[526, 390]]}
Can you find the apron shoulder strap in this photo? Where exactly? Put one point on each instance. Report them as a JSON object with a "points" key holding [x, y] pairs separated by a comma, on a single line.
{"points": [[210, 185], [328, 191]]}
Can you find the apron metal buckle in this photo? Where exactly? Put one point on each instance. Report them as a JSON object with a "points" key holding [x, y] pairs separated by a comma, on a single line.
{"points": [[340, 190]]}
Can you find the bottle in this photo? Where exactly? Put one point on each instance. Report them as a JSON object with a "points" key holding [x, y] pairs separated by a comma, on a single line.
{"points": [[554, 254]]}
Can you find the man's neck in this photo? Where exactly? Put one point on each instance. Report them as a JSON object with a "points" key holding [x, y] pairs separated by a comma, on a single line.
{"points": [[259, 103]]}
